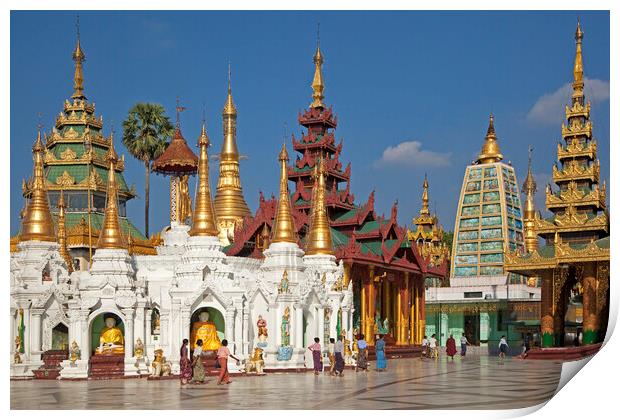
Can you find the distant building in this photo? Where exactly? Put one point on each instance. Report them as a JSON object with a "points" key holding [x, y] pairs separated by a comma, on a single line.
{"points": [[483, 300]]}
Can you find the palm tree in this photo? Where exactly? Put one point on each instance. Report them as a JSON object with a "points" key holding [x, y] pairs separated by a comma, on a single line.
{"points": [[145, 135]]}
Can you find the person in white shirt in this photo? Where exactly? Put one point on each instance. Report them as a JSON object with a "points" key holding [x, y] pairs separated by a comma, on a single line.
{"points": [[424, 347], [503, 347], [432, 344], [464, 344]]}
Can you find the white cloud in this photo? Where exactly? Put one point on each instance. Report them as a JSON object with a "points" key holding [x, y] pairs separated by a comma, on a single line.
{"points": [[549, 108], [411, 153]]}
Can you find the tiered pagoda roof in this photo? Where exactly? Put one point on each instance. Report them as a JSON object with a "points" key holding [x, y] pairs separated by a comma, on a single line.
{"points": [[358, 234], [578, 230], [74, 161]]}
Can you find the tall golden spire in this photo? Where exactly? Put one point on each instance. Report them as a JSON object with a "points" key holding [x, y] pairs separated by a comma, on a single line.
{"points": [[283, 227], [203, 217], [319, 238], [62, 232], [230, 206], [37, 224], [425, 210], [529, 211], [111, 236], [317, 81], [490, 150], [78, 76], [578, 67]]}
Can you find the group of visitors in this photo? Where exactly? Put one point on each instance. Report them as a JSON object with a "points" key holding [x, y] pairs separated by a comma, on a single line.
{"points": [[335, 353], [193, 371]]}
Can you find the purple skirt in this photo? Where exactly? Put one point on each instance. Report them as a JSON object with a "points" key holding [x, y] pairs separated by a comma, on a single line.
{"points": [[318, 362]]}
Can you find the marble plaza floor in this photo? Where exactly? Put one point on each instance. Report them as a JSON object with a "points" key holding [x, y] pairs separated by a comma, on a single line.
{"points": [[476, 382]]}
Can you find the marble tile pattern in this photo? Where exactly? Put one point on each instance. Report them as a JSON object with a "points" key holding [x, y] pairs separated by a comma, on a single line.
{"points": [[476, 382]]}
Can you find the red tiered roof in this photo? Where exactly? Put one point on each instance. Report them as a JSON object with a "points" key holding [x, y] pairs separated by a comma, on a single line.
{"points": [[177, 159]]}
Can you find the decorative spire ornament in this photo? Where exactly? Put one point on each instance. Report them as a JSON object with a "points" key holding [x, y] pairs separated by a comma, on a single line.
{"points": [[283, 227], [203, 217], [78, 75], [37, 224], [317, 82], [578, 66], [62, 232], [111, 236], [490, 150], [319, 237], [529, 211], [425, 209]]}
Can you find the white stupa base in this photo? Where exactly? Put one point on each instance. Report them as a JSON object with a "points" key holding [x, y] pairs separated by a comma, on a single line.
{"points": [[23, 370], [174, 239], [136, 367], [297, 360], [74, 370], [321, 261]]}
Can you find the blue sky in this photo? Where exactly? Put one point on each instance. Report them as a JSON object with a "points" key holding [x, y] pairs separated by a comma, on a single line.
{"points": [[412, 90]]}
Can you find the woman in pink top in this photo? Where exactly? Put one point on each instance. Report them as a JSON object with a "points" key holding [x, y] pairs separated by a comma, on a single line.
{"points": [[222, 358], [316, 356]]}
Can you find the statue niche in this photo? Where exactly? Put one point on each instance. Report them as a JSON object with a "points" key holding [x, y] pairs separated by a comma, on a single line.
{"points": [[205, 330], [111, 338]]}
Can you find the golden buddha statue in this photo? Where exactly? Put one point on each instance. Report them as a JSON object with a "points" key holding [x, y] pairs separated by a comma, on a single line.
{"points": [[204, 330], [185, 201], [75, 353], [111, 340]]}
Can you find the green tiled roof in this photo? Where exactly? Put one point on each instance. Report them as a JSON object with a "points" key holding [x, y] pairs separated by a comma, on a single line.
{"points": [[80, 172], [339, 239], [603, 242], [369, 226], [78, 148], [96, 220], [347, 215]]}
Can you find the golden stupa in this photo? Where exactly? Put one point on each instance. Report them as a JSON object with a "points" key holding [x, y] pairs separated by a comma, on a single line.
{"points": [[203, 217], [319, 238], [111, 236], [283, 227], [37, 224], [230, 206]]}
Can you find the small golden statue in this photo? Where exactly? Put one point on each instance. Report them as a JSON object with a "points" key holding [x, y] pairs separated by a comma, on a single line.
{"points": [[184, 210], [283, 288], [111, 340], [75, 353], [204, 330], [348, 354], [17, 357], [256, 362], [155, 322], [161, 367], [138, 351]]}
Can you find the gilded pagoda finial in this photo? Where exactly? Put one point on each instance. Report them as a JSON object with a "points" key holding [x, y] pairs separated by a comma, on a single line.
{"points": [[317, 82], [203, 217], [529, 211], [78, 76], [111, 236], [283, 227], [319, 238], [37, 224], [578, 67], [425, 209], [230, 109], [490, 150], [62, 232]]}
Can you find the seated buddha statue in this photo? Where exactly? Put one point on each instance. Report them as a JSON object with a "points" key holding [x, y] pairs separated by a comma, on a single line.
{"points": [[204, 330], [111, 340]]}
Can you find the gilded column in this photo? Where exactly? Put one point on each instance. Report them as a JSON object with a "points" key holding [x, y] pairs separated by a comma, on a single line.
{"points": [[413, 311], [347, 275], [406, 305], [399, 316], [591, 319], [421, 311], [546, 310], [370, 320], [363, 305]]}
